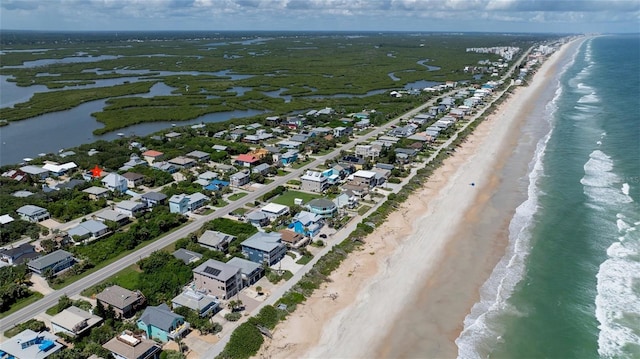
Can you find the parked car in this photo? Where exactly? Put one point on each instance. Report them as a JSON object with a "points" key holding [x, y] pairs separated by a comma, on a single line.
{"points": [[323, 235]]}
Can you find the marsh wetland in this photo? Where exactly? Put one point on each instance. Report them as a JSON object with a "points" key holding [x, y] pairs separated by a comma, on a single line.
{"points": [[69, 89]]}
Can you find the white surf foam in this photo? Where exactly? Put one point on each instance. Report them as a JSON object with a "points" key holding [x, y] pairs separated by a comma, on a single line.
{"points": [[590, 98], [598, 182]]}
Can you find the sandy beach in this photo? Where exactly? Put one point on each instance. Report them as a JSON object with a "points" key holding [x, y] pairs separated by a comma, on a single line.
{"points": [[436, 250]]}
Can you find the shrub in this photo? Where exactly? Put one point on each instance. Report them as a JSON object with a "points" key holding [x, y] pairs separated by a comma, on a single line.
{"points": [[233, 317]]}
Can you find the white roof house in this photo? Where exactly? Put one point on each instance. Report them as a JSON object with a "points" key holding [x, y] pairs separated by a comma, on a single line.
{"points": [[115, 182], [74, 321], [273, 210]]}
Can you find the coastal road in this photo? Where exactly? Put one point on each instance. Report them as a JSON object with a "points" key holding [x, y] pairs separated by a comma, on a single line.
{"points": [[98, 276]]}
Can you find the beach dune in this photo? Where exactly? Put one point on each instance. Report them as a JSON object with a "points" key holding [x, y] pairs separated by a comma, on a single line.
{"points": [[407, 292]]}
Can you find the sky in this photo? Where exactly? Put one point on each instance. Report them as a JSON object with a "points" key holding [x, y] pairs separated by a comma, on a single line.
{"points": [[559, 16]]}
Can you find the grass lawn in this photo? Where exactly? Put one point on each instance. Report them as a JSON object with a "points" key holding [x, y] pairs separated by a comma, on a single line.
{"points": [[240, 211], [221, 203], [363, 209], [300, 164], [282, 172], [288, 197], [126, 278], [236, 196], [22, 303], [304, 260]]}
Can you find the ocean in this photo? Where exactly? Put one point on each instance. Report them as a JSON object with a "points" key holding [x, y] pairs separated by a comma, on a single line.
{"points": [[569, 284]]}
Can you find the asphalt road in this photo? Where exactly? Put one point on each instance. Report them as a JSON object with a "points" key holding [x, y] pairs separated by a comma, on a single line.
{"points": [[96, 277]]}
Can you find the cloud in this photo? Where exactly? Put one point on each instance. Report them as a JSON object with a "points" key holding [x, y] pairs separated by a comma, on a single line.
{"points": [[19, 5]]}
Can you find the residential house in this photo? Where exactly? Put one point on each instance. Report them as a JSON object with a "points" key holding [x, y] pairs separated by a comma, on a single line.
{"points": [[322, 207], [215, 240], [16, 175], [367, 151], [404, 131], [30, 345], [59, 169], [247, 160], [289, 144], [130, 208], [35, 172], [208, 175], [197, 200], [199, 156], [56, 261], [240, 179], [133, 179], [69, 185], [216, 185], [74, 321], [385, 166], [199, 302], [165, 167], [354, 161], [363, 177], [292, 239], [134, 161], [346, 199], [274, 210], [359, 190], [321, 131], [179, 203], [127, 346], [262, 169], [273, 120], [218, 278], [18, 255], [123, 302], [405, 155], [183, 162], [152, 199], [161, 323], [264, 248], [342, 131], [219, 148], [90, 229], [114, 182], [288, 157], [237, 134], [307, 223], [314, 181], [251, 272], [31, 213], [301, 137], [152, 156], [113, 216], [96, 193], [172, 135], [187, 256], [363, 123], [260, 135], [257, 218]]}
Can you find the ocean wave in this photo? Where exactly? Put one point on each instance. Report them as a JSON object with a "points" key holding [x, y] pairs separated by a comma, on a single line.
{"points": [[617, 301], [590, 98], [598, 182], [482, 330]]}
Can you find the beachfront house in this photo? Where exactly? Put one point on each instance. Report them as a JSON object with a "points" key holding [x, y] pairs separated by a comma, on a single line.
{"points": [[217, 278], [201, 303], [129, 346]]}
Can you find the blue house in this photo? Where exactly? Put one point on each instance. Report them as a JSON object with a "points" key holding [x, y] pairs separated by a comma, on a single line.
{"points": [[264, 248], [162, 324], [289, 157], [216, 185], [179, 203], [306, 223]]}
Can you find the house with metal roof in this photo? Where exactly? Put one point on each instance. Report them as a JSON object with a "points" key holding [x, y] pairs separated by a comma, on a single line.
{"points": [[314, 181], [113, 216], [201, 303], [218, 278], [90, 229], [130, 208], [122, 301], [215, 240], [199, 156], [274, 210], [179, 203], [186, 256], [56, 261], [35, 171], [183, 162], [18, 255], [31, 213], [74, 321], [257, 218], [96, 193], [197, 200], [307, 223], [239, 179], [114, 182], [264, 247], [152, 199], [30, 345], [162, 324]]}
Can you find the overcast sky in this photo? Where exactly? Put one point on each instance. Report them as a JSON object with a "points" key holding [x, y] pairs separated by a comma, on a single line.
{"points": [[339, 15]]}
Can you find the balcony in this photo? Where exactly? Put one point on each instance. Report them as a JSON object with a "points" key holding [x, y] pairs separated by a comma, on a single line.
{"points": [[179, 331]]}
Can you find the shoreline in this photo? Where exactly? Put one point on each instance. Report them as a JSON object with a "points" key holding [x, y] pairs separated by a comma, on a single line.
{"points": [[421, 237]]}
